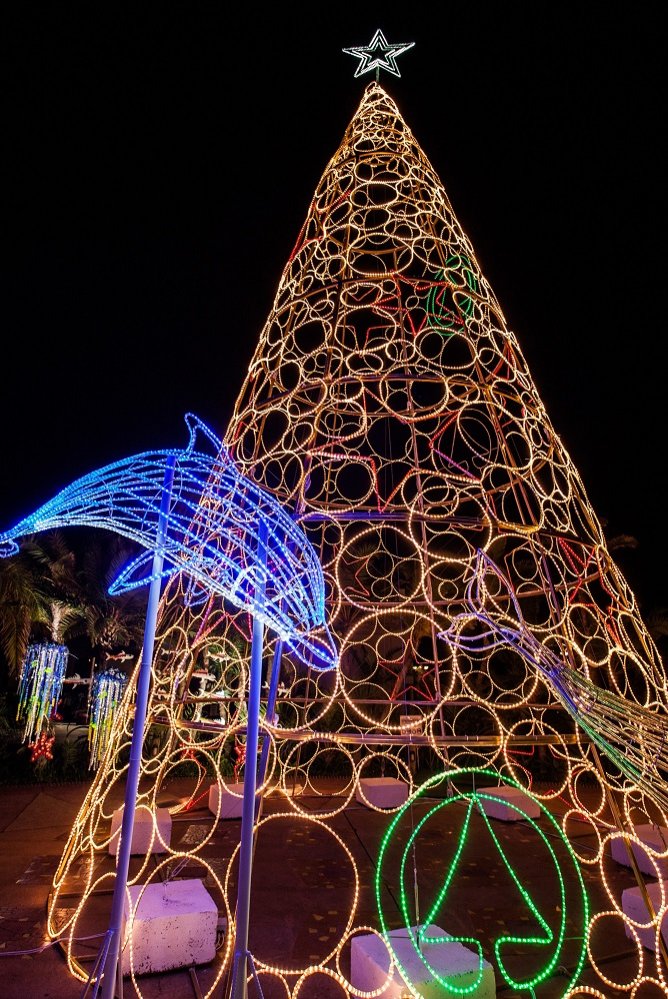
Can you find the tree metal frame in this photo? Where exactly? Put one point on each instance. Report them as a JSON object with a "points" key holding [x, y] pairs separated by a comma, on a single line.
{"points": [[389, 407]]}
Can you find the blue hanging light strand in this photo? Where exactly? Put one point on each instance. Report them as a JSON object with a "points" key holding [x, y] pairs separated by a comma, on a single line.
{"points": [[40, 686], [212, 535], [106, 695]]}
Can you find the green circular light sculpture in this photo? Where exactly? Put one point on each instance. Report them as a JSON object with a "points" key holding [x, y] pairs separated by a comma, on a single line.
{"points": [[549, 937]]}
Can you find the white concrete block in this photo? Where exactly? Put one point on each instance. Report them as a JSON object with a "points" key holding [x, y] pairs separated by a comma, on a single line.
{"points": [[459, 966], [142, 831], [381, 792], [501, 801], [174, 927], [656, 837], [290, 790], [634, 906], [229, 804]]}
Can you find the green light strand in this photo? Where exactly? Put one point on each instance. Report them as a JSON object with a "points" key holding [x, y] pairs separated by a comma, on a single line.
{"points": [[421, 937], [549, 933], [444, 318]]}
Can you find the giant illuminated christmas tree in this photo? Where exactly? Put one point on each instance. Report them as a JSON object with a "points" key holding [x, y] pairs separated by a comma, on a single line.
{"points": [[478, 614]]}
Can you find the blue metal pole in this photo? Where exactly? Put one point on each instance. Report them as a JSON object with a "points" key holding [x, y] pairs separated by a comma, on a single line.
{"points": [[271, 710], [111, 969], [239, 967]]}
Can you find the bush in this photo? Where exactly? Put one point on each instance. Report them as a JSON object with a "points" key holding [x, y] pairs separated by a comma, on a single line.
{"points": [[70, 756]]}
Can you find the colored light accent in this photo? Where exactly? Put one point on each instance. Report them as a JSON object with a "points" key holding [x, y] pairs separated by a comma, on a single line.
{"points": [[40, 686], [106, 695], [632, 737], [447, 316], [419, 937], [42, 747]]}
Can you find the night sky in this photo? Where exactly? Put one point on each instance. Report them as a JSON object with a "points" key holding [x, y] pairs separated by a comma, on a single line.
{"points": [[159, 161]]}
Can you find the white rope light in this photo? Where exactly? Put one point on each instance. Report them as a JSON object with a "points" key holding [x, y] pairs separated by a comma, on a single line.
{"points": [[390, 407]]}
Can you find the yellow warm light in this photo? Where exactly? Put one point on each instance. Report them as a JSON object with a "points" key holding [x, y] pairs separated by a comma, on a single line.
{"points": [[389, 407]]}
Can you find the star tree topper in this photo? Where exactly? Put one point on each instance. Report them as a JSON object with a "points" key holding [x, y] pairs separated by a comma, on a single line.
{"points": [[386, 57]]}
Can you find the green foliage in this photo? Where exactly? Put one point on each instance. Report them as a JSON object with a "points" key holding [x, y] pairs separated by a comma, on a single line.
{"points": [[70, 754], [56, 588]]}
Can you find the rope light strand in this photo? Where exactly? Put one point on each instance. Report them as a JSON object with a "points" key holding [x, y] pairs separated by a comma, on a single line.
{"points": [[389, 406]]}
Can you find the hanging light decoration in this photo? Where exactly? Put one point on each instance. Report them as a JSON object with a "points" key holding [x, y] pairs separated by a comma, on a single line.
{"points": [[108, 687], [42, 747], [40, 686]]}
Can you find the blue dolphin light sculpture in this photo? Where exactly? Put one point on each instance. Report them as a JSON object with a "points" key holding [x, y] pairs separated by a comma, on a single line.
{"points": [[212, 535], [195, 513]]}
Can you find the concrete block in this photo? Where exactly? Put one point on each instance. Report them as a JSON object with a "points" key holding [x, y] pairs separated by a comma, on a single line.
{"points": [[174, 927], [143, 830], [656, 837], [459, 966], [501, 801], [381, 792], [229, 803], [289, 791], [634, 906]]}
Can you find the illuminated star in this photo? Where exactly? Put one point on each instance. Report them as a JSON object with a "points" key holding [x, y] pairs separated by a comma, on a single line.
{"points": [[386, 57]]}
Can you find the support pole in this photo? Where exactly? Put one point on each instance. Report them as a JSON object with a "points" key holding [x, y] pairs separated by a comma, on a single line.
{"points": [[271, 711], [111, 966], [240, 959]]}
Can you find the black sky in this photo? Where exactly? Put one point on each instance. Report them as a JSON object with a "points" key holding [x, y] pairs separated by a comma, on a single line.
{"points": [[160, 160]]}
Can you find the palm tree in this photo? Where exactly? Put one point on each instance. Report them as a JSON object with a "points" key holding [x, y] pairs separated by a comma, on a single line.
{"points": [[37, 597], [56, 589], [112, 624]]}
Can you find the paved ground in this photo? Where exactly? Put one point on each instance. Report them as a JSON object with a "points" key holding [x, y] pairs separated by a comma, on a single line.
{"points": [[303, 891]]}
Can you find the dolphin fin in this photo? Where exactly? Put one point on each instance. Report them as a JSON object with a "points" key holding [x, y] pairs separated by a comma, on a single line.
{"points": [[132, 577]]}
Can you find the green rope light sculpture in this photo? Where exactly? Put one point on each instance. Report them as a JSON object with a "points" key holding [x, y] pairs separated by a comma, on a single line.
{"points": [[419, 937]]}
